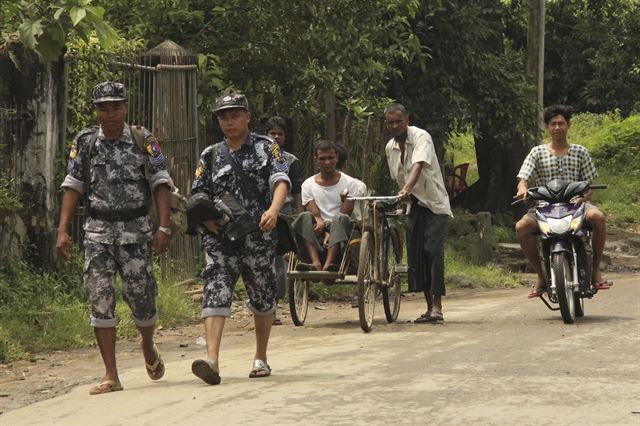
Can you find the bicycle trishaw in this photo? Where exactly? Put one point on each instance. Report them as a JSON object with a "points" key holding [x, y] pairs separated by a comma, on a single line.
{"points": [[373, 252]]}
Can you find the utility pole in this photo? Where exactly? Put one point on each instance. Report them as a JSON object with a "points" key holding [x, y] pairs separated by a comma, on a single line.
{"points": [[535, 57]]}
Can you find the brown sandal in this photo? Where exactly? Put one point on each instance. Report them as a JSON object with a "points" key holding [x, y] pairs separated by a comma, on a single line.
{"points": [[106, 386], [155, 370], [426, 317]]}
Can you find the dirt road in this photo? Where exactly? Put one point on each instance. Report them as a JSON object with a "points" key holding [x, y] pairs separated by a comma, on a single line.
{"points": [[498, 359]]}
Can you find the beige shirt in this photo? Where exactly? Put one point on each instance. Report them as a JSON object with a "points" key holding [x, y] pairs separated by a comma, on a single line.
{"points": [[429, 190]]}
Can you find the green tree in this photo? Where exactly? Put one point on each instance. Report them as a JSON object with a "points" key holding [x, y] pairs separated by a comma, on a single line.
{"points": [[591, 51], [44, 26], [473, 80], [286, 56]]}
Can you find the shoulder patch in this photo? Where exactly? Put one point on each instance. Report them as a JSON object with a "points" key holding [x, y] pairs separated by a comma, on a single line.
{"points": [[153, 148], [74, 151], [200, 169], [275, 148], [152, 145]]}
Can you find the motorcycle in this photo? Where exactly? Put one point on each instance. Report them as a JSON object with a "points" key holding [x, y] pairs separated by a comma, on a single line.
{"points": [[564, 245]]}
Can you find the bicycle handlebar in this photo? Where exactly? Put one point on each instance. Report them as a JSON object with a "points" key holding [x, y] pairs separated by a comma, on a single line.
{"points": [[374, 198]]}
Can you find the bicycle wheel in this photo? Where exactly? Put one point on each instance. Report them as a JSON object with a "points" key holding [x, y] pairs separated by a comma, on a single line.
{"points": [[391, 256], [298, 300], [366, 284]]}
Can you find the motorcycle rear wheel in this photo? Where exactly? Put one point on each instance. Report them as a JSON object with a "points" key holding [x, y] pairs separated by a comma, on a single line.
{"points": [[566, 297]]}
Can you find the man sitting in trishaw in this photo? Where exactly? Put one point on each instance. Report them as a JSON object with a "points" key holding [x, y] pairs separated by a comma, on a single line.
{"points": [[326, 224]]}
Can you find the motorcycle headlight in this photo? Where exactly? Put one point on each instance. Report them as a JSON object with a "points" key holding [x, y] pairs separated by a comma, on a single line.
{"points": [[559, 226], [545, 228], [576, 223]]}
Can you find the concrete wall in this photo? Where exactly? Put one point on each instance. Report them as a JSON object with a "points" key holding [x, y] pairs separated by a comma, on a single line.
{"points": [[32, 153]]}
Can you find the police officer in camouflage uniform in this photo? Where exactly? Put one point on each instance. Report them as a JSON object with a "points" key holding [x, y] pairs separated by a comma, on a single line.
{"points": [[264, 168], [108, 169]]}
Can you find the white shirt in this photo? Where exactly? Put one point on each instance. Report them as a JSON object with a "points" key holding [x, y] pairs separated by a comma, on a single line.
{"points": [[327, 198], [429, 189]]}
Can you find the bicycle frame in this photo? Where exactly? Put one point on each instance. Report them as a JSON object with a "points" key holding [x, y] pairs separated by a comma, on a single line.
{"points": [[376, 222]]}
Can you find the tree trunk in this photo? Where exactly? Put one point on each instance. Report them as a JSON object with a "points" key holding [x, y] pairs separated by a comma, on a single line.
{"points": [[346, 129], [498, 165], [366, 156], [330, 125]]}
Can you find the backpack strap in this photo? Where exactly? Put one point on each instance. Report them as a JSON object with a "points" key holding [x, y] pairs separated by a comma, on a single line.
{"points": [[86, 168], [215, 151], [137, 132]]}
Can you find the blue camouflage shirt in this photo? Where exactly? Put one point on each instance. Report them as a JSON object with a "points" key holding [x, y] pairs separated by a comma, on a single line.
{"points": [[117, 182], [262, 163]]}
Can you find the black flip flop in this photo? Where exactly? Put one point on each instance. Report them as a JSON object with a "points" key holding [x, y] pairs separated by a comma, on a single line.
{"points": [[422, 319], [333, 267], [304, 267], [206, 372]]}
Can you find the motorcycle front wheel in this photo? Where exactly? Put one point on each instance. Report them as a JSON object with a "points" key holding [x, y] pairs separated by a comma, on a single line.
{"points": [[562, 275], [579, 305]]}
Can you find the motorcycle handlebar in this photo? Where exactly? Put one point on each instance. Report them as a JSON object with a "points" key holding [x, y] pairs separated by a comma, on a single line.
{"points": [[592, 186]]}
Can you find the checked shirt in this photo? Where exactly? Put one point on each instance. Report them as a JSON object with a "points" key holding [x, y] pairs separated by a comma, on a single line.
{"points": [[541, 166]]}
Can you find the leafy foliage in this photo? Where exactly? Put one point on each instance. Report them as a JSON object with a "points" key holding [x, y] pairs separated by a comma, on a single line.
{"points": [[9, 201], [44, 26], [591, 54], [89, 64], [471, 76], [284, 55]]}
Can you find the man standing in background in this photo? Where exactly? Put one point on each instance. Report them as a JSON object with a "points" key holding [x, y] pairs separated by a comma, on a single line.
{"points": [[414, 166]]}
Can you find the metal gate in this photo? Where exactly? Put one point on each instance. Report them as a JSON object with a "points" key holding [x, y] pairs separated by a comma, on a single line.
{"points": [[166, 82], [161, 89]]}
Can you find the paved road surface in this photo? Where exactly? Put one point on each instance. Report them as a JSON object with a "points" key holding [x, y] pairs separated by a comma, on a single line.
{"points": [[498, 359]]}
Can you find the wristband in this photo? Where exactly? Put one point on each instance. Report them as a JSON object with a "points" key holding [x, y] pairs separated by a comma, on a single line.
{"points": [[164, 230]]}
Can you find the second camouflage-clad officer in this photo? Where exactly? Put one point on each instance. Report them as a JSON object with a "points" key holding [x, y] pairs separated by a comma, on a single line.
{"points": [[251, 169]]}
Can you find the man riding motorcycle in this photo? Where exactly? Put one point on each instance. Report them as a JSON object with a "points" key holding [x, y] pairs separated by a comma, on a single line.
{"points": [[559, 159]]}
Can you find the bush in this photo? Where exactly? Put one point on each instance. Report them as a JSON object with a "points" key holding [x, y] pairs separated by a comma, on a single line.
{"points": [[49, 311], [614, 144], [619, 146]]}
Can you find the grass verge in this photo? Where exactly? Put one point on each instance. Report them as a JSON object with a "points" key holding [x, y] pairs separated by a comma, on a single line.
{"points": [[43, 311]]}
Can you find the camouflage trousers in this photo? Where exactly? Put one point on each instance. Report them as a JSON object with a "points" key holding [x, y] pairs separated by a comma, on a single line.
{"points": [[254, 261], [339, 232], [139, 289]]}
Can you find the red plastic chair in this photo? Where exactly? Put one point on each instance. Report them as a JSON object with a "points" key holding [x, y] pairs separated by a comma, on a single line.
{"points": [[456, 180]]}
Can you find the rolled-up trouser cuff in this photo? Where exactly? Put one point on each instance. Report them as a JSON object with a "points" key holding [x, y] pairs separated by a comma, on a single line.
{"points": [[216, 312], [258, 313], [145, 323], [103, 323]]}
